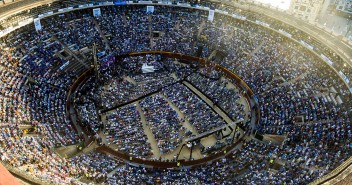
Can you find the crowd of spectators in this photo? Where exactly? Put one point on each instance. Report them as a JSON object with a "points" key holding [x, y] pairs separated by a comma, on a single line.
{"points": [[197, 112], [27, 154], [47, 105], [95, 166], [134, 83], [221, 93], [125, 130], [164, 122], [118, 92], [288, 80]]}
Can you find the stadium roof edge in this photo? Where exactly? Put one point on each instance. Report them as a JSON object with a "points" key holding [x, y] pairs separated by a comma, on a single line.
{"points": [[24, 8]]}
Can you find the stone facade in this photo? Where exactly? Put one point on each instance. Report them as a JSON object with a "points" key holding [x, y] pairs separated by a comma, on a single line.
{"points": [[306, 9]]}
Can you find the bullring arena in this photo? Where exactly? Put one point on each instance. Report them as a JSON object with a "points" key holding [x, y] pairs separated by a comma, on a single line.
{"points": [[148, 92]]}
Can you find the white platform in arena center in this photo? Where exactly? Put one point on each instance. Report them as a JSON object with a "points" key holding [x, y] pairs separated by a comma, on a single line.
{"points": [[147, 69]]}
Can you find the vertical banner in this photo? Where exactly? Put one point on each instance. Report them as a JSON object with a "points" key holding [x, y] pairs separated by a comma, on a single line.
{"points": [[37, 24], [96, 12], [150, 9], [211, 15]]}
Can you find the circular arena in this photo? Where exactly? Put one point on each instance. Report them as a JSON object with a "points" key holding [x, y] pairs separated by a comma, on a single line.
{"points": [[148, 92]]}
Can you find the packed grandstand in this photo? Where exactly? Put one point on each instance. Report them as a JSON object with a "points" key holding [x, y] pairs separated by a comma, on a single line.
{"points": [[132, 94]]}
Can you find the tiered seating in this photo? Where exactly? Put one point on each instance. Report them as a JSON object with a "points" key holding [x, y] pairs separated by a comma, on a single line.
{"points": [[154, 81], [196, 111], [119, 92], [33, 62], [125, 130], [12, 107], [135, 64], [163, 121], [47, 106], [224, 170], [88, 113], [180, 70], [122, 90], [178, 25], [132, 25], [288, 81], [76, 31], [95, 166], [86, 102], [217, 90], [27, 154]]}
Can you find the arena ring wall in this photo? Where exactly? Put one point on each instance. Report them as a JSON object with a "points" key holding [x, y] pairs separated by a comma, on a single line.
{"points": [[248, 94]]}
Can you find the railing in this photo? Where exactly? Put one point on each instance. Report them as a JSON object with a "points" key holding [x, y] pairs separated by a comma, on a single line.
{"points": [[165, 164], [239, 82], [249, 95], [333, 174], [73, 88], [172, 164]]}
